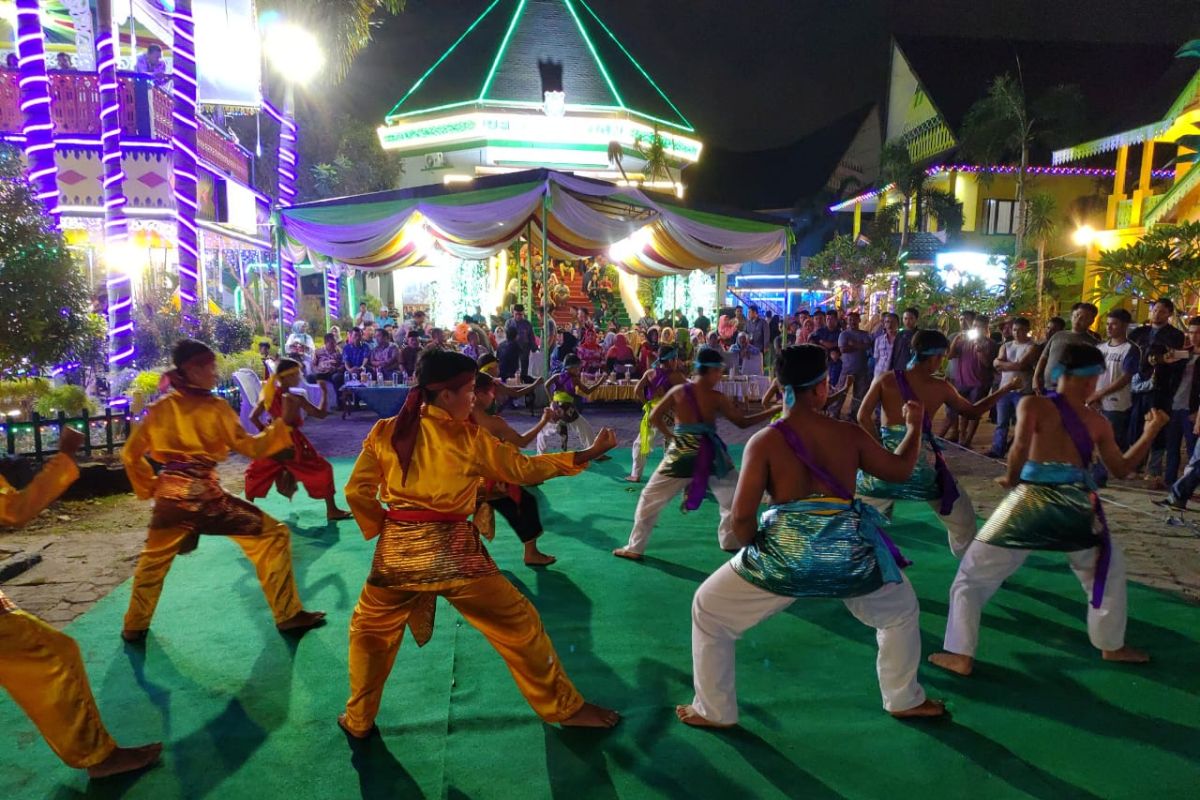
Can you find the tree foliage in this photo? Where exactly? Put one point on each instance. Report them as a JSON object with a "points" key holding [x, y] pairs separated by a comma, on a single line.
{"points": [[1166, 260], [43, 292], [853, 262]]}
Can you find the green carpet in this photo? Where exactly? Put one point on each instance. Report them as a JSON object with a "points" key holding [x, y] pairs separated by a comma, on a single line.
{"points": [[246, 713]]}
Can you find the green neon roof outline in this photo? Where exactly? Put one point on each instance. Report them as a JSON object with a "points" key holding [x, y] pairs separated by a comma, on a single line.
{"points": [[444, 55], [686, 123], [686, 126]]}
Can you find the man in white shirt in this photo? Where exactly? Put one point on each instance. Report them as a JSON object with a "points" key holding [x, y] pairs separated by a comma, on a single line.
{"points": [[1182, 407], [885, 342], [1016, 357], [1121, 359]]}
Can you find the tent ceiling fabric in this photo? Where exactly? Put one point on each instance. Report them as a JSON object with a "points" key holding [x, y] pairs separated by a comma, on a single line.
{"points": [[393, 230]]}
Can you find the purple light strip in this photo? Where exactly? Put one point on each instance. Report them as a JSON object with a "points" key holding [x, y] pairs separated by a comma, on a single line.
{"points": [[35, 106], [183, 142], [289, 284], [333, 292], [116, 226]]}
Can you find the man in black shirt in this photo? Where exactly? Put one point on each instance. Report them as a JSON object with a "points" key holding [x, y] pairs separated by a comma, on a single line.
{"points": [[902, 348], [1155, 384], [702, 322]]}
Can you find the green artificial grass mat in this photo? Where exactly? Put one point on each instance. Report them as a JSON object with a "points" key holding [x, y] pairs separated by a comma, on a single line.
{"points": [[247, 713]]}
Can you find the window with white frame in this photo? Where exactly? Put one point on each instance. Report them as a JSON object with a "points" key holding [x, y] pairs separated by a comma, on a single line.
{"points": [[1000, 217]]}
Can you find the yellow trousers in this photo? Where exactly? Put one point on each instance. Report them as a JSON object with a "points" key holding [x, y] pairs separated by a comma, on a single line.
{"points": [[41, 669], [495, 608], [270, 551]]}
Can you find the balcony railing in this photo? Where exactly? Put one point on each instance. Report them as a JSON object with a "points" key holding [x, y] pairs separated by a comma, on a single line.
{"points": [[145, 113]]}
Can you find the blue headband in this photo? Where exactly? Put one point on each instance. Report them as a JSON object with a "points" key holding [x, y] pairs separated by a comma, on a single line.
{"points": [[1075, 372], [665, 355], [923, 354]]}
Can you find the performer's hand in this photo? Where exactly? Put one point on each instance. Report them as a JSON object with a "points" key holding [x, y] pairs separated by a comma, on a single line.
{"points": [[1013, 384], [1156, 420], [547, 415], [69, 441], [914, 414]]}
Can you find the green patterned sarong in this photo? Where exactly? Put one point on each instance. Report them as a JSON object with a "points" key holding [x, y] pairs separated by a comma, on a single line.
{"points": [[921, 485], [1051, 509]]}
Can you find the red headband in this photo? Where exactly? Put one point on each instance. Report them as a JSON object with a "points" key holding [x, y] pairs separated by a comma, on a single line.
{"points": [[408, 421], [174, 379]]}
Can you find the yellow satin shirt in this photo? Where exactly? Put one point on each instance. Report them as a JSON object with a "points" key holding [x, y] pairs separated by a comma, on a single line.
{"points": [[17, 508], [190, 428], [449, 459]]}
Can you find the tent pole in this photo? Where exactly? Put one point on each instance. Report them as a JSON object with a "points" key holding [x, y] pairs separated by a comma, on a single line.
{"points": [[279, 280], [546, 343], [527, 284], [787, 267]]}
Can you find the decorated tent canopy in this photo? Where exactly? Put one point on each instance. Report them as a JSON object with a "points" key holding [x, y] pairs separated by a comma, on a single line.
{"points": [[644, 234]]}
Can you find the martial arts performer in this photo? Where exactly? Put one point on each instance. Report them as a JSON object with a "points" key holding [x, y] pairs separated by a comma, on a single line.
{"points": [[696, 460], [932, 480], [815, 540], [515, 503], [489, 364], [1053, 505], [301, 462], [414, 486], [40, 667], [188, 432], [567, 390], [653, 386]]}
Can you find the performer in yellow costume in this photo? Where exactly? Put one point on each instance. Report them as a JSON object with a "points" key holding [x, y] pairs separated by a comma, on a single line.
{"points": [[414, 486], [40, 667], [188, 432]]}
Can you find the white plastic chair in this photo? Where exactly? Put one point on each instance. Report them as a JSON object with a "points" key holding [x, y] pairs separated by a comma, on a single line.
{"points": [[314, 391], [251, 388]]}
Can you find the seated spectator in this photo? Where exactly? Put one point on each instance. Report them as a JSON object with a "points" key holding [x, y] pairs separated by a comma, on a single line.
{"points": [[727, 328], [437, 340], [589, 353], [386, 317], [746, 358], [620, 356], [368, 334], [299, 344], [648, 352], [565, 345], [472, 348], [268, 361], [356, 351], [385, 358], [409, 353], [509, 354], [327, 364]]}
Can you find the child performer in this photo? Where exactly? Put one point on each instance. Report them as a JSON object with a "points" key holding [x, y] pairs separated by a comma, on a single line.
{"points": [[566, 390], [696, 459], [932, 480], [815, 540], [300, 462], [40, 667], [653, 386], [489, 365], [189, 431], [414, 486], [1053, 505], [516, 504]]}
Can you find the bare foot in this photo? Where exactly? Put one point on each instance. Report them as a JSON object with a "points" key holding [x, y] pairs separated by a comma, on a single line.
{"points": [[302, 621], [930, 708], [689, 716], [622, 552], [338, 514], [631, 479], [1128, 655], [134, 637], [592, 716], [352, 733], [127, 759], [539, 559], [956, 663]]}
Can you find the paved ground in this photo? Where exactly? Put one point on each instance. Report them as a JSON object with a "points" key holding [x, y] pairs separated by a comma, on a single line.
{"points": [[89, 547]]}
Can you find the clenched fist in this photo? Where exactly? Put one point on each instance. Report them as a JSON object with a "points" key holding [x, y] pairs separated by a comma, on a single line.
{"points": [[605, 440], [914, 414]]}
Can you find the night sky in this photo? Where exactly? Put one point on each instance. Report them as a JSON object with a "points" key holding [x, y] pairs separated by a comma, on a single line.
{"points": [[761, 73]]}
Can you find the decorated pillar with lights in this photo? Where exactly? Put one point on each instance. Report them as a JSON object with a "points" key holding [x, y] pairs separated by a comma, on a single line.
{"points": [[116, 227], [183, 142], [35, 105], [286, 195]]}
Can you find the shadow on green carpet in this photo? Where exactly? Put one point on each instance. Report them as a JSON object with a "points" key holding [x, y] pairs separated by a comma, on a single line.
{"points": [[247, 713]]}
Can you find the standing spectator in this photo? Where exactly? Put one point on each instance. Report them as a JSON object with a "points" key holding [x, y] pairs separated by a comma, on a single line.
{"points": [[356, 352], [386, 317], [976, 359], [509, 354], [828, 334], [410, 353], [1182, 489], [702, 322], [679, 319], [902, 350], [268, 362], [1082, 317], [807, 328], [757, 329], [739, 318], [648, 352], [1183, 405], [415, 325], [1016, 357], [855, 345], [327, 364], [478, 318], [727, 328], [363, 317], [63, 61], [1053, 326], [1156, 383], [774, 330], [1114, 389], [885, 343], [151, 63], [966, 323]]}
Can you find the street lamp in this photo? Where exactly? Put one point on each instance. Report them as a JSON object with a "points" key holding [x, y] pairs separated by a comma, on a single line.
{"points": [[294, 52]]}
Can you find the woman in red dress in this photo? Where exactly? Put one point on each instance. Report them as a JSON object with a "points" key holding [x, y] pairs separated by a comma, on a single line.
{"points": [[300, 464]]}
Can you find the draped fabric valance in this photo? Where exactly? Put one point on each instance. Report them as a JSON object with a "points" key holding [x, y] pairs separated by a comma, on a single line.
{"points": [[391, 230]]}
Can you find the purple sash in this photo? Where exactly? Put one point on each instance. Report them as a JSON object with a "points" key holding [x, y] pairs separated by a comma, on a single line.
{"points": [[833, 484], [945, 478], [706, 454], [1082, 440], [563, 382], [660, 382]]}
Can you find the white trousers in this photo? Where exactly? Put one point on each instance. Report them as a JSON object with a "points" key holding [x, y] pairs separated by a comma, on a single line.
{"points": [[639, 458], [960, 522], [983, 570], [726, 606], [662, 489], [581, 427]]}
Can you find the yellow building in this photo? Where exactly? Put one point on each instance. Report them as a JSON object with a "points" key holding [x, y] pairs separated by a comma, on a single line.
{"points": [[1153, 180]]}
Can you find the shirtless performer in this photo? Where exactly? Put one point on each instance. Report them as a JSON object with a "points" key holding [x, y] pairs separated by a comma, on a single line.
{"points": [[1052, 505], [931, 481], [40, 667], [515, 503], [653, 386], [815, 540], [696, 459], [489, 365]]}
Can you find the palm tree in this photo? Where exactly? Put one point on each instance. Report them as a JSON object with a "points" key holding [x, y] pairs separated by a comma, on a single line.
{"points": [[653, 150], [1005, 124], [946, 207], [344, 27], [1040, 225], [896, 167], [615, 157]]}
